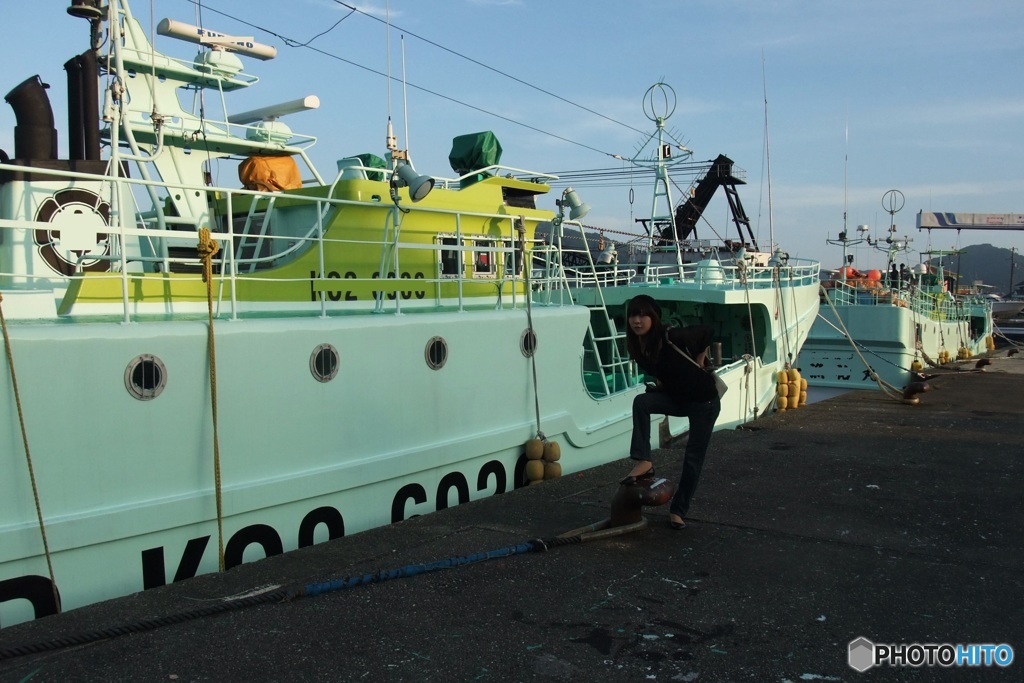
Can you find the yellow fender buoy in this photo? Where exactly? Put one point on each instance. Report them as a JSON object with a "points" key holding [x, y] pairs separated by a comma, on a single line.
{"points": [[534, 449], [792, 393], [552, 470], [784, 389], [916, 366], [552, 451], [535, 470]]}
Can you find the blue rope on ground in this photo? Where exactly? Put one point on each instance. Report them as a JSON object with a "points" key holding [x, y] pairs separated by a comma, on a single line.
{"points": [[314, 589], [283, 595]]}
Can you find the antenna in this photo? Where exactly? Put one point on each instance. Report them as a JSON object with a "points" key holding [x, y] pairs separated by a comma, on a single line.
{"points": [[846, 163], [405, 98], [245, 45], [276, 110], [768, 155], [392, 143]]}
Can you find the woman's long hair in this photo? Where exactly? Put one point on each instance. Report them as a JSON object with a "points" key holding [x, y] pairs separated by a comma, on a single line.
{"points": [[644, 305]]}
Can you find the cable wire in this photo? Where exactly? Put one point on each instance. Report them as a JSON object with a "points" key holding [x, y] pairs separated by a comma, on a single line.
{"points": [[294, 43]]}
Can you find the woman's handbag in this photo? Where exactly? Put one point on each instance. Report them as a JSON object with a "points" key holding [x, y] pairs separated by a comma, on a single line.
{"points": [[720, 384]]}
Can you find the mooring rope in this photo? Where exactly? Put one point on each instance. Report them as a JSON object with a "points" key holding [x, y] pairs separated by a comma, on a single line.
{"points": [[207, 249], [744, 276], [286, 594], [1010, 342], [520, 226], [28, 457]]}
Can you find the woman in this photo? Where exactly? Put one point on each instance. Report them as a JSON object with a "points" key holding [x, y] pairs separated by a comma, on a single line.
{"points": [[683, 389]]}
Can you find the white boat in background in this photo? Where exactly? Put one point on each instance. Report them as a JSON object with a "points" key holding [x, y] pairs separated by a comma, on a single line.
{"points": [[1004, 309], [200, 376], [875, 328]]}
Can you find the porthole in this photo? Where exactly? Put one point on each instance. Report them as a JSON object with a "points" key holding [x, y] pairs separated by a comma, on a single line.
{"points": [[145, 377], [323, 363], [436, 353], [528, 342]]}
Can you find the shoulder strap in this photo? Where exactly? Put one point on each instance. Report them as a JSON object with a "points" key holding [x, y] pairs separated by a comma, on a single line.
{"points": [[678, 350]]}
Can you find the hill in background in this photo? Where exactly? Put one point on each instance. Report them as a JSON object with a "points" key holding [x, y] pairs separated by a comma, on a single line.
{"points": [[984, 262]]}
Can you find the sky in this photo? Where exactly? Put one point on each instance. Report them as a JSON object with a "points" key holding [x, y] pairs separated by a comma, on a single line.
{"points": [[842, 100]]}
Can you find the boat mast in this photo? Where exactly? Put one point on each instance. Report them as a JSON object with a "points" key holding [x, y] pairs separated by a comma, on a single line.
{"points": [[1013, 251], [659, 105], [768, 157]]}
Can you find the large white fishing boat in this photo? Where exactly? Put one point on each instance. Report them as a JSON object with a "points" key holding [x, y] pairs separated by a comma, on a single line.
{"points": [[199, 376], [880, 328]]}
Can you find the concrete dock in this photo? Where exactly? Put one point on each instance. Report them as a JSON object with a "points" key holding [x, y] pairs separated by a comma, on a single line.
{"points": [[856, 517]]}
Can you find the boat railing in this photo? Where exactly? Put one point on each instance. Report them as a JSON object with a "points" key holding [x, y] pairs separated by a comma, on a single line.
{"points": [[607, 367], [935, 305], [713, 274], [146, 239], [489, 171]]}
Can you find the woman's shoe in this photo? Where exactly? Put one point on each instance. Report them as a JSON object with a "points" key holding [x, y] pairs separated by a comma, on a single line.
{"points": [[632, 479], [681, 524]]}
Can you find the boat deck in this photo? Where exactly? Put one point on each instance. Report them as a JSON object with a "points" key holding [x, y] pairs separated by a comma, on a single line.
{"points": [[854, 517]]}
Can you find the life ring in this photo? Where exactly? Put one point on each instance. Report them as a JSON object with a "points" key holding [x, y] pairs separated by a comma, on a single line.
{"points": [[88, 214]]}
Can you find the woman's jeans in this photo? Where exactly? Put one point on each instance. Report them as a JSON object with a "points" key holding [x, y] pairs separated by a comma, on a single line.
{"points": [[702, 418]]}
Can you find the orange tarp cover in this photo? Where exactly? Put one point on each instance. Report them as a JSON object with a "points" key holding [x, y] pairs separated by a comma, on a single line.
{"points": [[269, 174]]}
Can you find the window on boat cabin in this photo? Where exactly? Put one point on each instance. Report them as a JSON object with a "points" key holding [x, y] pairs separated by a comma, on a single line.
{"points": [[451, 259], [483, 261]]}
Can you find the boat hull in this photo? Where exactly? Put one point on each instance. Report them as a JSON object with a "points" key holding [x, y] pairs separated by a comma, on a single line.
{"points": [[888, 338], [126, 487]]}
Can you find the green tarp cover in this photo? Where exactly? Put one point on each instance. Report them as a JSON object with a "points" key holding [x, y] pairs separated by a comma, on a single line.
{"points": [[372, 161], [474, 151]]}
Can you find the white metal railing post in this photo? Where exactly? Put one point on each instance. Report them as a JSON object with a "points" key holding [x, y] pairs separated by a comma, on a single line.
{"points": [[230, 260], [321, 295], [462, 257]]}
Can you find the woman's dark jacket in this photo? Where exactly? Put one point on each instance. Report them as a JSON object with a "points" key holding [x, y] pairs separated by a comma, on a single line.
{"points": [[679, 377]]}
